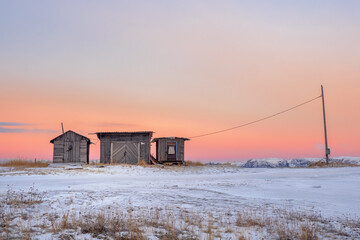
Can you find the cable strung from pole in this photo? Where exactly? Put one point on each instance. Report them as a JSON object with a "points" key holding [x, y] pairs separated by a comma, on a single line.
{"points": [[256, 121]]}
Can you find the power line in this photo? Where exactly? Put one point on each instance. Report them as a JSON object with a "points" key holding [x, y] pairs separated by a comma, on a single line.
{"points": [[259, 120], [94, 141]]}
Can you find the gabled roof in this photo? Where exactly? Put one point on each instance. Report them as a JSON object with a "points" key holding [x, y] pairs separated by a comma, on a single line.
{"points": [[87, 139], [157, 139]]}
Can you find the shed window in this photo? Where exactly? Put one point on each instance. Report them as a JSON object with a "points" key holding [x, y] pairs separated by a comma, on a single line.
{"points": [[171, 150]]}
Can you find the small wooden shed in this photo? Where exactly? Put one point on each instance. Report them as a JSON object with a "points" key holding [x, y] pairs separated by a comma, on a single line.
{"points": [[170, 150], [125, 147], [71, 147]]}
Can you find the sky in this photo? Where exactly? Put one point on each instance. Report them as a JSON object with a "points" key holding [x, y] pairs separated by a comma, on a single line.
{"points": [[181, 68]]}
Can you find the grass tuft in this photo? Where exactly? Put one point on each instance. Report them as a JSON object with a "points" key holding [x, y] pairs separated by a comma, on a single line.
{"points": [[24, 164], [142, 163], [194, 163]]}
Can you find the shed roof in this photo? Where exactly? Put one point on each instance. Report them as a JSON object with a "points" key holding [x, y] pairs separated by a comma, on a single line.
{"points": [[104, 134], [139, 132], [87, 139], [157, 139]]}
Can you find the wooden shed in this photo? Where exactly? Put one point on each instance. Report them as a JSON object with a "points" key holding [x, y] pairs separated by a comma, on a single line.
{"points": [[170, 150], [124, 147], [71, 147]]}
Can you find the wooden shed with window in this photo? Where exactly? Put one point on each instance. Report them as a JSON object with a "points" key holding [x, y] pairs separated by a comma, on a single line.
{"points": [[170, 150], [125, 147], [71, 147]]}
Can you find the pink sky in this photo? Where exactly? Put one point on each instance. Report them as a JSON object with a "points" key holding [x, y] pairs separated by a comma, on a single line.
{"points": [[181, 69]]}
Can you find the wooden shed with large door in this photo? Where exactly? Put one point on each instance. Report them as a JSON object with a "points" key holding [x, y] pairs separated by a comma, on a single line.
{"points": [[170, 150], [71, 147], [125, 147]]}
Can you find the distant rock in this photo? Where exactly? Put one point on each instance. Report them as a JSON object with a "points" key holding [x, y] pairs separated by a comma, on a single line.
{"points": [[347, 160], [296, 162], [266, 163]]}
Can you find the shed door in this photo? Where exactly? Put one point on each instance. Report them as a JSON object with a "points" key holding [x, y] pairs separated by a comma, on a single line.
{"points": [[68, 151], [171, 151], [125, 152]]}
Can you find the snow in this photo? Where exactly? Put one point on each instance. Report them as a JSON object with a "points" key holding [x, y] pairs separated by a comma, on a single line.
{"points": [[331, 192]]}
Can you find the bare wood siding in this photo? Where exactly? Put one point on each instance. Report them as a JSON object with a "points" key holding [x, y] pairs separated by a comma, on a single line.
{"points": [[181, 150], [125, 152], [143, 141], [84, 151], [162, 149], [58, 156]]}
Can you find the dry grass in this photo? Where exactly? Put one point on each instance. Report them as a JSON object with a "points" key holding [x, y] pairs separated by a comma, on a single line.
{"points": [[142, 163], [322, 164], [19, 221], [308, 231], [24, 164], [194, 163], [166, 225], [20, 198], [113, 225]]}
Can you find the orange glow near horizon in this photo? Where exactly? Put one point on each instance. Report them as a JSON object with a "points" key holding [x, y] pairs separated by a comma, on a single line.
{"points": [[299, 137]]}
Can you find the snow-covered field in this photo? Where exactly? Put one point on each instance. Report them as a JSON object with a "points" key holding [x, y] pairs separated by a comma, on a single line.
{"points": [[206, 202]]}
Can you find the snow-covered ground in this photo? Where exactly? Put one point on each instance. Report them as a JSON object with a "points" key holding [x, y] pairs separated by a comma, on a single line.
{"points": [[332, 193]]}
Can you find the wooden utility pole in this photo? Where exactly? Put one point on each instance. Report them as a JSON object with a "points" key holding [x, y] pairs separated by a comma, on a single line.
{"points": [[62, 127], [327, 150]]}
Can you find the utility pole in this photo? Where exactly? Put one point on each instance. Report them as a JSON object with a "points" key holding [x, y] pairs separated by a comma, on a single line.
{"points": [[62, 127], [327, 150]]}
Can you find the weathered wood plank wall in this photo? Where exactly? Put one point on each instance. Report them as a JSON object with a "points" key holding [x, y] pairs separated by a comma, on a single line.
{"points": [[142, 139], [162, 147], [71, 147]]}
